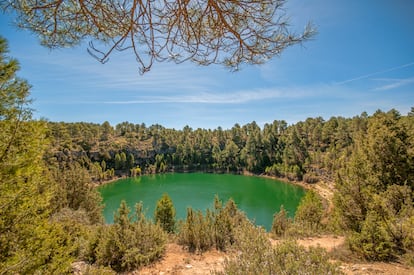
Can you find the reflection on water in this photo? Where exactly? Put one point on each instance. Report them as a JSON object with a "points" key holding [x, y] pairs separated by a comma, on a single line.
{"points": [[258, 197]]}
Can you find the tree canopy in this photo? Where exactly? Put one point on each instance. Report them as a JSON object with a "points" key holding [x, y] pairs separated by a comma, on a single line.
{"points": [[206, 32], [29, 242]]}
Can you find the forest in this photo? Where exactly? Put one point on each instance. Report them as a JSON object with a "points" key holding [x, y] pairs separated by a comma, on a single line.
{"points": [[309, 150], [50, 214]]}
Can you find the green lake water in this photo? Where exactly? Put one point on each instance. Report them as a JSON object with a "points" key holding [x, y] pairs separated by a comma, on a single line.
{"points": [[258, 197]]}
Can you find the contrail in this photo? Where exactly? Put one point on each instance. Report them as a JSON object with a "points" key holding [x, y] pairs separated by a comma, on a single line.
{"points": [[372, 74]]}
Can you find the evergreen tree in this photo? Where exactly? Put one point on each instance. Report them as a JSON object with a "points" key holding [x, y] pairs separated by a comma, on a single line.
{"points": [[29, 242], [123, 160], [103, 165], [374, 195], [165, 213], [75, 191], [107, 131], [309, 212], [118, 161], [130, 161]]}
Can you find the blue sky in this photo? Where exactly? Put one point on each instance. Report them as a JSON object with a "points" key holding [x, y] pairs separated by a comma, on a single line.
{"points": [[362, 59]]}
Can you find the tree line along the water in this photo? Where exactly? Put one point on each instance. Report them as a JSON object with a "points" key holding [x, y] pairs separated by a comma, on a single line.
{"points": [[309, 150], [51, 214]]}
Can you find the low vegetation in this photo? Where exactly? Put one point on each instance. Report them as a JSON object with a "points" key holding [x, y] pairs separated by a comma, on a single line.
{"points": [[308, 219], [50, 214], [214, 229], [129, 243], [255, 255]]}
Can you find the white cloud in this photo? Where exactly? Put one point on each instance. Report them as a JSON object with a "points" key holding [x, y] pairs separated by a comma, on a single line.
{"points": [[365, 76], [395, 83], [238, 97], [207, 97]]}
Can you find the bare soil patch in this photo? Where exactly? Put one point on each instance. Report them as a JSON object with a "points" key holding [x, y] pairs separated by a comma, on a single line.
{"points": [[179, 261], [327, 242]]}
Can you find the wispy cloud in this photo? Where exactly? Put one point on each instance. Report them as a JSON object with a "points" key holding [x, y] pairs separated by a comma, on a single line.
{"points": [[207, 98], [236, 97], [365, 76], [395, 83]]}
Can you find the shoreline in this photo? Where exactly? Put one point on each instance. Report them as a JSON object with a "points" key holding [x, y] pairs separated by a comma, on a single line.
{"points": [[302, 184], [307, 186], [324, 189], [104, 182]]}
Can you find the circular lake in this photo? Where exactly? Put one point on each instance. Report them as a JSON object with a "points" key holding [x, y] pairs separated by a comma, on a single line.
{"points": [[258, 197]]}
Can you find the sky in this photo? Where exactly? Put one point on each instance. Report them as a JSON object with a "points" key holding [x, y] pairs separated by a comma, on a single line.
{"points": [[362, 59]]}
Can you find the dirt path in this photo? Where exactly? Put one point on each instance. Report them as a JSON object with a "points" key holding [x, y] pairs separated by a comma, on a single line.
{"points": [[327, 242], [179, 261]]}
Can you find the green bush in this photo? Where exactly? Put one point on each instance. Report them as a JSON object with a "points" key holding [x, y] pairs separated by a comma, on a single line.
{"points": [[373, 242], [309, 213], [385, 231], [224, 223], [130, 242], [255, 255], [281, 222], [216, 228], [196, 231]]}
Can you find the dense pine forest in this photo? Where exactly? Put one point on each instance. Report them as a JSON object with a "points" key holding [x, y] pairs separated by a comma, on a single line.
{"points": [[310, 150], [50, 214]]}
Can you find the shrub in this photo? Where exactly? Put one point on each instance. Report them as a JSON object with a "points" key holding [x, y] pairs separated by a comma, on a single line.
{"points": [[216, 228], [196, 231], [309, 212], [291, 258], [86, 269], [386, 230], [374, 241], [310, 178], [281, 222], [129, 243], [255, 255], [223, 223]]}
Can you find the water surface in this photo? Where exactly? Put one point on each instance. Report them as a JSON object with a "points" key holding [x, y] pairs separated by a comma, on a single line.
{"points": [[258, 197]]}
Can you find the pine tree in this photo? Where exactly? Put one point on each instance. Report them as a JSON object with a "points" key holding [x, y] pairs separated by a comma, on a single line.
{"points": [[76, 192], [118, 162], [29, 242], [206, 32], [374, 195], [165, 213]]}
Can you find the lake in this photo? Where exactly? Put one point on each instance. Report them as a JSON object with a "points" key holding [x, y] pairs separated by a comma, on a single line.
{"points": [[258, 197]]}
